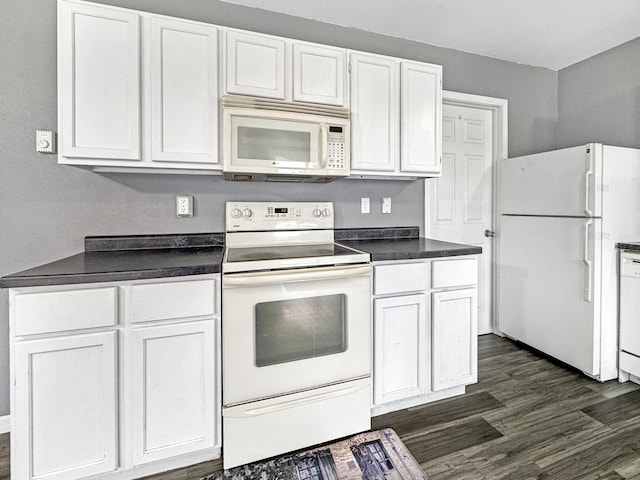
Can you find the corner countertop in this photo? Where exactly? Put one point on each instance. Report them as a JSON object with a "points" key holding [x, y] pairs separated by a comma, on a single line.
{"points": [[112, 258], [632, 246], [402, 243]]}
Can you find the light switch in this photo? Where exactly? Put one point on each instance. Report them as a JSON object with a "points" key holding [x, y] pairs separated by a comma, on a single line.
{"points": [[45, 141]]}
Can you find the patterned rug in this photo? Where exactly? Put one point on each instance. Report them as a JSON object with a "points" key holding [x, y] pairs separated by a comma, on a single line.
{"points": [[378, 455]]}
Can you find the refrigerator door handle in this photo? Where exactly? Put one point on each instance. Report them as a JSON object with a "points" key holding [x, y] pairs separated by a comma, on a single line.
{"points": [[587, 175], [588, 291]]}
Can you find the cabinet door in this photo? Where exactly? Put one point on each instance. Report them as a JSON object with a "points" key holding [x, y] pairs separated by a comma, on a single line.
{"points": [[421, 118], [172, 381], [254, 64], [401, 344], [99, 72], [318, 74], [65, 407], [374, 110], [454, 319], [183, 91]]}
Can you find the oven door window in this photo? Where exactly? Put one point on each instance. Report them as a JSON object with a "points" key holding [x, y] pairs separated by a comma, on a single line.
{"points": [[290, 330]]}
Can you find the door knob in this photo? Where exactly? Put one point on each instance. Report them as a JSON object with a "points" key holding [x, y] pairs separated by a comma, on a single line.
{"points": [[489, 233]]}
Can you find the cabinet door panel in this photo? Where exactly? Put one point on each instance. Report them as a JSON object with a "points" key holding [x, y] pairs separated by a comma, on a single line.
{"points": [[401, 343], [318, 74], [65, 400], [172, 380], [254, 64], [421, 118], [455, 338], [184, 91], [99, 51], [374, 110]]}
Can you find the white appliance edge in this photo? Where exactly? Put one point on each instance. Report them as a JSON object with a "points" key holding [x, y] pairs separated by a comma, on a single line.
{"points": [[553, 183]]}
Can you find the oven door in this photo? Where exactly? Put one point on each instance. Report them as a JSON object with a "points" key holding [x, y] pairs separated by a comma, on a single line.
{"points": [[293, 330]]}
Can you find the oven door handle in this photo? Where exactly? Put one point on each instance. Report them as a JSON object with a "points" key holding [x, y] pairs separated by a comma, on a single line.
{"points": [[289, 276], [287, 404]]}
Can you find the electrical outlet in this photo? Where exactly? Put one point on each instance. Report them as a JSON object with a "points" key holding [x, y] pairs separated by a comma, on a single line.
{"points": [[184, 205], [386, 204], [364, 205]]}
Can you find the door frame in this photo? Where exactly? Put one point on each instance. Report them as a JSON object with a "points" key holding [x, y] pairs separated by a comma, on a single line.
{"points": [[499, 115]]}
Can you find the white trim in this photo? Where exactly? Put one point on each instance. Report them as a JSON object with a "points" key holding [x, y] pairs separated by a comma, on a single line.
{"points": [[499, 108], [5, 424]]}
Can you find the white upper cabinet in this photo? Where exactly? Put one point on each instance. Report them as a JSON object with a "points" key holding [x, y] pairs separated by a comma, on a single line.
{"points": [[183, 79], [99, 82], [255, 64], [285, 69], [136, 90], [396, 109], [420, 118], [374, 113], [318, 74]]}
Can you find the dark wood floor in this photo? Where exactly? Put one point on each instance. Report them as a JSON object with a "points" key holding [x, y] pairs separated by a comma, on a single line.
{"points": [[527, 418]]}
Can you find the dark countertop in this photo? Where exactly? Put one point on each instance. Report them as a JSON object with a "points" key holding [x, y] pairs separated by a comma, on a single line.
{"points": [[112, 259], [123, 258], [400, 244], [634, 246]]}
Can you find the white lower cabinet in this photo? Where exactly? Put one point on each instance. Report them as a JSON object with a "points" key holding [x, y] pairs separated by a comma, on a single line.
{"points": [[401, 345], [454, 324], [65, 407], [104, 396], [172, 389], [425, 331]]}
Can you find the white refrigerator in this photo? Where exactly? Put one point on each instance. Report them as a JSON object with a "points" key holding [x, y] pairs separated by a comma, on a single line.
{"points": [[561, 214]]}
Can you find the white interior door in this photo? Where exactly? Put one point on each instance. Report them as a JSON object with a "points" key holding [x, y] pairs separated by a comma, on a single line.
{"points": [[460, 203]]}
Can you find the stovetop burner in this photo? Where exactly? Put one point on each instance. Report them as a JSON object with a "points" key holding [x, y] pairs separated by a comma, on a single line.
{"points": [[282, 252], [283, 235]]}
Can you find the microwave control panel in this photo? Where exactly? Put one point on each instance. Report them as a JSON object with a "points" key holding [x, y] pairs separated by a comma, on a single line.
{"points": [[336, 147]]}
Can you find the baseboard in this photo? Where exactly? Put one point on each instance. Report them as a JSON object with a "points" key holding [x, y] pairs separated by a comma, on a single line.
{"points": [[5, 424]]}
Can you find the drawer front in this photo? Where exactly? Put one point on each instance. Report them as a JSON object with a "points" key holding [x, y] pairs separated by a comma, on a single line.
{"points": [[164, 301], [454, 273], [403, 277], [62, 310]]}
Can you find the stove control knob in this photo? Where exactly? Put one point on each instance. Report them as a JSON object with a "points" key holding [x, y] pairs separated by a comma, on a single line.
{"points": [[247, 213], [317, 212], [236, 213], [326, 212]]}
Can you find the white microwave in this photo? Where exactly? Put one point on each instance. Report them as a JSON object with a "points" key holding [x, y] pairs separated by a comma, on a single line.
{"points": [[272, 140]]}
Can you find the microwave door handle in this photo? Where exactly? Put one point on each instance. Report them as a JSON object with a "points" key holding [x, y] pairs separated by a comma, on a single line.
{"points": [[324, 145]]}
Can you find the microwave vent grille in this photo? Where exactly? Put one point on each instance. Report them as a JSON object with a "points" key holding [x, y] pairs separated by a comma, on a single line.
{"points": [[236, 101]]}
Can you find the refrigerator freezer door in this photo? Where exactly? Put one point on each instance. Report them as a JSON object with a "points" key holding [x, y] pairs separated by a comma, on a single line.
{"points": [[549, 287], [563, 182]]}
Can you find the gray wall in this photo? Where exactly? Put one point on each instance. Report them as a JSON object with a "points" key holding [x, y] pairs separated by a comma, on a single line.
{"points": [[599, 99], [47, 209]]}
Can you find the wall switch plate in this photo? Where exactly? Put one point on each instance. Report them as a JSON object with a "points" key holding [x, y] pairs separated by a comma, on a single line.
{"points": [[364, 205], [386, 204], [184, 205], [45, 141]]}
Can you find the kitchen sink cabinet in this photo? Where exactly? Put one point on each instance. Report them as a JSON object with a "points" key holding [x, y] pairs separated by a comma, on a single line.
{"points": [[396, 108], [129, 98], [110, 377], [284, 69], [425, 330]]}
